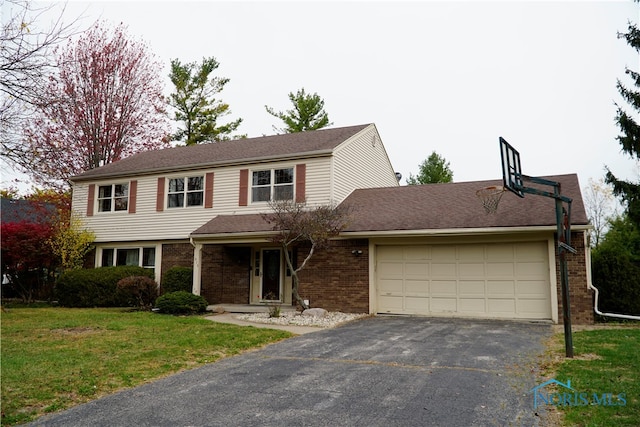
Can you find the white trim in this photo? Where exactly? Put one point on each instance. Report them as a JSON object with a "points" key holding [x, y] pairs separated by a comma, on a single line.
{"points": [[262, 236], [140, 246], [197, 268], [553, 279], [456, 231], [373, 299], [272, 183]]}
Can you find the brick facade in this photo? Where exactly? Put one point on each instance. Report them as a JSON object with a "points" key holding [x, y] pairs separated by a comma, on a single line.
{"points": [[176, 255], [336, 279], [226, 274], [580, 297]]}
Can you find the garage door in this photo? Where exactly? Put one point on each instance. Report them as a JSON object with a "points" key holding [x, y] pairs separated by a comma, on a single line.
{"points": [[478, 280]]}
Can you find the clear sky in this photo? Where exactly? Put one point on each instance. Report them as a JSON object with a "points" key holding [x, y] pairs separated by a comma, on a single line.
{"points": [[449, 77]]}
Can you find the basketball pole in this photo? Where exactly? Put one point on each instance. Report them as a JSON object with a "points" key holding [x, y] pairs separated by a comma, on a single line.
{"points": [[563, 231], [513, 180], [564, 270]]}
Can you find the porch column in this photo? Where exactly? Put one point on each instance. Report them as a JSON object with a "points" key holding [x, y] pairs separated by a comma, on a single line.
{"points": [[197, 268]]}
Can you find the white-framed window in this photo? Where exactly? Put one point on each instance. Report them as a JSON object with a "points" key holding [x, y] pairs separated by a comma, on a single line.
{"points": [[272, 184], [140, 256], [185, 192], [113, 197]]}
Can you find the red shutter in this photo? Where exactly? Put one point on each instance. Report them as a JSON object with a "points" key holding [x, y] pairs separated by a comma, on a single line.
{"points": [[160, 195], [301, 180], [133, 193], [244, 187], [208, 190], [90, 199]]}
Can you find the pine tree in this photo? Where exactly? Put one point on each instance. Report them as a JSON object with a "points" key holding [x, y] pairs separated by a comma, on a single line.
{"points": [[195, 103], [307, 114], [629, 138]]}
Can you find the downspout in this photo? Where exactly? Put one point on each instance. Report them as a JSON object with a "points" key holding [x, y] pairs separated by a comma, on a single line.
{"points": [[620, 316], [590, 286]]}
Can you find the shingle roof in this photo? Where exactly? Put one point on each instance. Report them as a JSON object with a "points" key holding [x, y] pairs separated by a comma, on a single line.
{"points": [[430, 207], [455, 205], [226, 152], [26, 210]]}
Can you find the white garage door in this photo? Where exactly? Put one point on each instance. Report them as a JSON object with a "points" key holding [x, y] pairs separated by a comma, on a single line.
{"points": [[478, 280]]}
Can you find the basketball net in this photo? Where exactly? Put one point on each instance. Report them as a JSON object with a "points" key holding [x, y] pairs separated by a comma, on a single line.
{"points": [[490, 197]]}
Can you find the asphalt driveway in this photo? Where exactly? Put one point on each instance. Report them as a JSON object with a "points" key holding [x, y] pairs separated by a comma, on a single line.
{"points": [[382, 371]]}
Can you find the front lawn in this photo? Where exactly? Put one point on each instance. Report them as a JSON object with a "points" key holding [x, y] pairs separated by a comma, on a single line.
{"points": [[605, 374], [55, 358]]}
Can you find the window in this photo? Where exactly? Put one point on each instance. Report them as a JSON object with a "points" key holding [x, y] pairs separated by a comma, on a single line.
{"points": [[129, 256], [148, 257], [112, 198], [192, 192], [274, 184]]}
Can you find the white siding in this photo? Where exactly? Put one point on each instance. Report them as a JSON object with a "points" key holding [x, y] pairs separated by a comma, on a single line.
{"points": [[361, 162], [177, 223]]}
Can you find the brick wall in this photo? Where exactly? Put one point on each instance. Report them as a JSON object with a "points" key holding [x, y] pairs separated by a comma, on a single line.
{"points": [[176, 255], [211, 274], [335, 279], [580, 298], [225, 274]]}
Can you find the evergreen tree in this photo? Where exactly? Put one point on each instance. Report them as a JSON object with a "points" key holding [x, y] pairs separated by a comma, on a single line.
{"points": [[629, 138], [307, 114], [432, 171], [195, 103]]}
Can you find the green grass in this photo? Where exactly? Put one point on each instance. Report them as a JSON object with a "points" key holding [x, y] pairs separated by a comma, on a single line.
{"points": [[55, 358], [605, 361]]}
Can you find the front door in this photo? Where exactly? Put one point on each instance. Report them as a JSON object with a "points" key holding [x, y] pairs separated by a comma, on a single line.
{"points": [[271, 277]]}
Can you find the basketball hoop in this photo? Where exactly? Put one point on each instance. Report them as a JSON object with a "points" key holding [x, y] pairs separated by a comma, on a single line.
{"points": [[490, 197]]}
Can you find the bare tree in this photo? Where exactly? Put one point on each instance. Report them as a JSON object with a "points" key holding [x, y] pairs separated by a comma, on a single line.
{"points": [[298, 225], [26, 61], [600, 205]]}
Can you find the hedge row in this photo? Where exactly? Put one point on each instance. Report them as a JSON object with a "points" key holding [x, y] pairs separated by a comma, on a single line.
{"points": [[129, 286], [96, 287]]}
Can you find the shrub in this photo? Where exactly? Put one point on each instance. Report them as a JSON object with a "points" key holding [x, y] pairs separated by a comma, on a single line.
{"points": [[178, 279], [141, 291], [181, 302], [95, 287]]}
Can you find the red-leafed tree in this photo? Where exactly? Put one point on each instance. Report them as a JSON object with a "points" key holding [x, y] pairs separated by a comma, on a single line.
{"points": [[104, 103], [28, 262]]}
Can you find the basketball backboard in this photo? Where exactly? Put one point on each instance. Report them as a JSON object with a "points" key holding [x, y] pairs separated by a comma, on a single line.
{"points": [[511, 172]]}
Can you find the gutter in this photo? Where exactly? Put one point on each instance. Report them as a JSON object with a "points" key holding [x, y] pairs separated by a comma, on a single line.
{"points": [[457, 231]]}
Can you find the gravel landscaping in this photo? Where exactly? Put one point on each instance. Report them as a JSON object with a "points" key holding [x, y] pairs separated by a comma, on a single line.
{"points": [[331, 320]]}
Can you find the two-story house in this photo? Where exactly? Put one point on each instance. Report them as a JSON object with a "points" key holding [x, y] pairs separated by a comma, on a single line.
{"points": [[408, 250]]}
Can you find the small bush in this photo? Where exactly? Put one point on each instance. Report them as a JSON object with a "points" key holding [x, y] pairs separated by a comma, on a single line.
{"points": [[274, 306], [178, 279], [274, 311], [181, 302], [141, 291], [95, 287]]}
